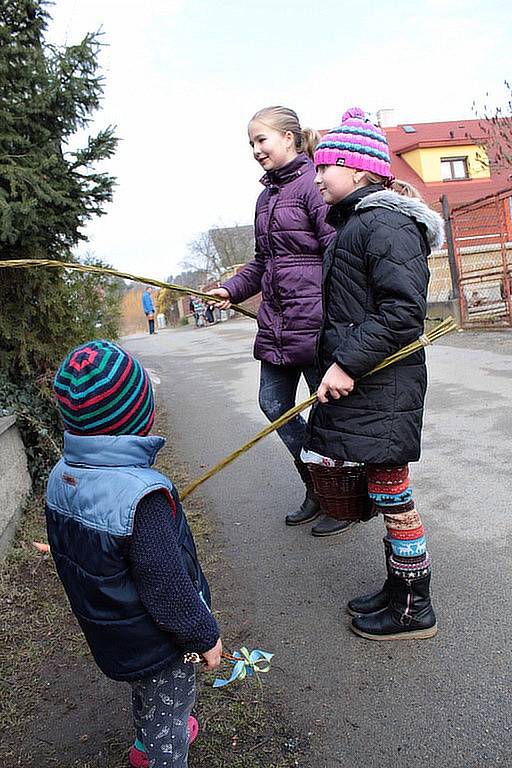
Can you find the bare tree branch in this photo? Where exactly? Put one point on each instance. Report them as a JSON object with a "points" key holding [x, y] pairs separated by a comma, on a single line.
{"points": [[496, 125], [219, 249]]}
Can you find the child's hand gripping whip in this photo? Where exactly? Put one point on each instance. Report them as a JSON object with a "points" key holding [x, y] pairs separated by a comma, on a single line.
{"points": [[245, 664]]}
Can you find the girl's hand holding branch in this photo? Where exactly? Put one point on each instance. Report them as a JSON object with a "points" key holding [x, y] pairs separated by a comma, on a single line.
{"points": [[335, 383], [223, 294]]}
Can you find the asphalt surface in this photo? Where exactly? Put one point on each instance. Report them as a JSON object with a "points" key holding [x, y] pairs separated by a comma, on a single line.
{"points": [[443, 702]]}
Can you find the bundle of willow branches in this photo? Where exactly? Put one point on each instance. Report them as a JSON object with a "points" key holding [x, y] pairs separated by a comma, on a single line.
{"points": [[447, 326], [54, 264]]}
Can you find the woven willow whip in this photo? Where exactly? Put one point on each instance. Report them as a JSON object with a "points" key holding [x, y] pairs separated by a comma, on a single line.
{"points": [[54, 264], [447, 326]]}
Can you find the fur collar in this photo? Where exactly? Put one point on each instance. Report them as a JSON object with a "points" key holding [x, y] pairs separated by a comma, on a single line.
{"points": [[409, 206]]}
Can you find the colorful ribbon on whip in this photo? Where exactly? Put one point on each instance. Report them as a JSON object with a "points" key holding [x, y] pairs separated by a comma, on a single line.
{"points": [[245, 664]]}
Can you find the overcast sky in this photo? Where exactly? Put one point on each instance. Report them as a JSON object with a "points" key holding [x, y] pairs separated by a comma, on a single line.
{"points": [[184, 76]]}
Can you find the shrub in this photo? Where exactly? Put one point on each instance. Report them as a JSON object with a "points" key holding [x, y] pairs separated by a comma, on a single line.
{"points": [[38, 421]]}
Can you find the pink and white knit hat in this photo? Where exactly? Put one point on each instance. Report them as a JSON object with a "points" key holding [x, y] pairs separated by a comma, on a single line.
{"points": [[356, 143]]}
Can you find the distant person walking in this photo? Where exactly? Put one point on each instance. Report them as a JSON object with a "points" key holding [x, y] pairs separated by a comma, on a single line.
{"points": [[291, 237], [199, 312], [149, 309], [210, 317]]}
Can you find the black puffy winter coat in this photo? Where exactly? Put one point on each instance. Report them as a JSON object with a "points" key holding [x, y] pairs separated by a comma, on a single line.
{"points": [[375, 280]]}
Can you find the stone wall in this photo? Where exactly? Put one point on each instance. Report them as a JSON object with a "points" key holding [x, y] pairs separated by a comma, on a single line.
{"points": [[15, 483]]}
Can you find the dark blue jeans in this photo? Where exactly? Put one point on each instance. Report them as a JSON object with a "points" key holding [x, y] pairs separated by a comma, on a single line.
{"points": [[278, 390], [151, 324]]}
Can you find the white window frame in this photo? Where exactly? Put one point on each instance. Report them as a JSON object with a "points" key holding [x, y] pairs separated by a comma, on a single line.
{"points": [[449, 161]]}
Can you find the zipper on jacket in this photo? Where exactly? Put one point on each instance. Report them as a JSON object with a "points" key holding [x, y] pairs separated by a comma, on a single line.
{"points": [[270, 239], [275, 294]]}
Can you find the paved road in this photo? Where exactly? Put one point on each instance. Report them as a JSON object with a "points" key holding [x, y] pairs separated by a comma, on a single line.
{"points": [[443, 702]]}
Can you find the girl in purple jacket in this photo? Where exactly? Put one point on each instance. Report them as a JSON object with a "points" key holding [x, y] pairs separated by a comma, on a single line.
{"points": [[291, 237]]}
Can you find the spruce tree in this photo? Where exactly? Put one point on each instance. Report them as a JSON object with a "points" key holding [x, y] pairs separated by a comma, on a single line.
{"points": [[47, 190]]}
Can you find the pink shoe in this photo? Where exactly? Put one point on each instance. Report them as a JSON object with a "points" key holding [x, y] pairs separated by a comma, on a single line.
{"points": [[193, 729], [138, 759]]}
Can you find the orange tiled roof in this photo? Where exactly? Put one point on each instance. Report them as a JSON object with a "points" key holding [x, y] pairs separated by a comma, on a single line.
{"points": [[444, 134], [454, 133]]}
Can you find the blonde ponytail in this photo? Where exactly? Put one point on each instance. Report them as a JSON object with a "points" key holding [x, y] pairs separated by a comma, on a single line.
{"points": [[310, 139], [405, 189], [284, 119]]}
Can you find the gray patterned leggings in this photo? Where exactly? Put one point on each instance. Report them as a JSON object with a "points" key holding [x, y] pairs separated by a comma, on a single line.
{"points": [[162, 704]]}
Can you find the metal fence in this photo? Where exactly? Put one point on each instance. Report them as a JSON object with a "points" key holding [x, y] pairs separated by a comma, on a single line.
{"points": [[440, 284], [482, 245]]}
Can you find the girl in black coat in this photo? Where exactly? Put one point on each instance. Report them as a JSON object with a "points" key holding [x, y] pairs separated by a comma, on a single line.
{"points": [[375, 281]]}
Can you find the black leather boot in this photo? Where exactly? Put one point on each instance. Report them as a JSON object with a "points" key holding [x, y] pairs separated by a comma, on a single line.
{"points": [[329, 526], [409, 615], [308, 511], [310, 507], [376, 601]]}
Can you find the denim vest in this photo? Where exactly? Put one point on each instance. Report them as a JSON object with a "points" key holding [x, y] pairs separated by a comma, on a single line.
{"points": [[92, 495]]}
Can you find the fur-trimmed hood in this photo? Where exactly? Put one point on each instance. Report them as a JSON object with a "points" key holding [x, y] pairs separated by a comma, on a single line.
{"points": [[409, 206]]}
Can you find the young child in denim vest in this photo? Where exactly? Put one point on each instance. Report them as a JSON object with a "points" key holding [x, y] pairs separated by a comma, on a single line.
{"points": [[124, 550], [375, 297]]}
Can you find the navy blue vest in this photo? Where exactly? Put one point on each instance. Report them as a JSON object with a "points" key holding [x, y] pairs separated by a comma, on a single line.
{"points": [[91, 499]]}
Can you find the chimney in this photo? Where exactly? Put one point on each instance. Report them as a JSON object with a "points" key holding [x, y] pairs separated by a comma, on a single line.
{"points": [[385, 118]]}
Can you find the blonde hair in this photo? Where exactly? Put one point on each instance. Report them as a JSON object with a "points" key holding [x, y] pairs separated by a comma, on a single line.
{"points": [[375, 178], [284, 119], [405, 189]]}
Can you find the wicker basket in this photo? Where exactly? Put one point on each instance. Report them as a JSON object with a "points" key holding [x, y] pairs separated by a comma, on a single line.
{"points": [[342, 491]]}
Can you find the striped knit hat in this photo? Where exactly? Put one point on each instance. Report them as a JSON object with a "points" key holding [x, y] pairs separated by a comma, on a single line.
{"points": [[356, 143], [103, 390]]}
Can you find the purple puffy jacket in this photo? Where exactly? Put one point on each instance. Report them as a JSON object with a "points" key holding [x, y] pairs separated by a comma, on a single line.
{"points": [[291, 237]]}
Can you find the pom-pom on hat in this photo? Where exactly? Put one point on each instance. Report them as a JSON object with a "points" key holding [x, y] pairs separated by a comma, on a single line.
{"points": [[102, 390], [356, 143]]}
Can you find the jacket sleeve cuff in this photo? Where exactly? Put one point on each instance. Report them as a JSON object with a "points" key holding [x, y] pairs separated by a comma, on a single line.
{"points": [[205, 638], [230, 287], [354, 371]]}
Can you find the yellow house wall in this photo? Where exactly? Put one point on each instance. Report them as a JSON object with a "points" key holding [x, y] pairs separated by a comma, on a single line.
{"points": [[427, 162], [414, 160]]}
